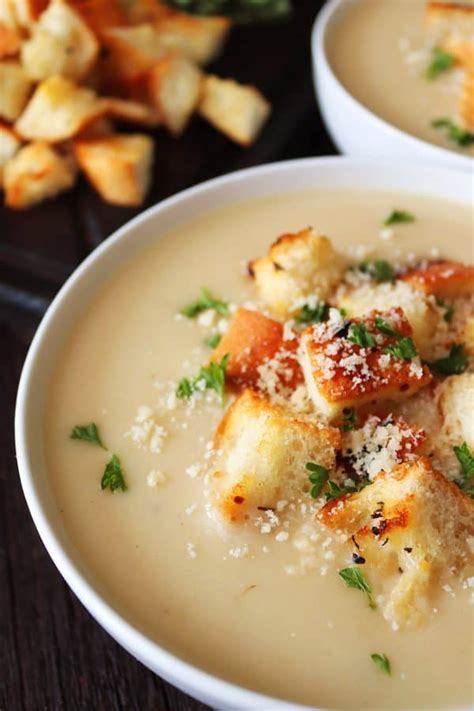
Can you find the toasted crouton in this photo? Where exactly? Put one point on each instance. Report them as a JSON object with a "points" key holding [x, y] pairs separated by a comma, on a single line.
{"points": [[130, 111], [410, 527], [118, 166], [35, 173], [263, 451], [340, 373], [444, 279], [10, 41], [58, 110], [451, 25], [140, 11], [8, 17], [15, 87], [253, 340], [175, 89], [466, 102], [466, 336], [419, 309], [238, 111], [26, 12], [199, 39], [455, 397], [100, 15], [9, 145], [295, 267], [134, 50]]}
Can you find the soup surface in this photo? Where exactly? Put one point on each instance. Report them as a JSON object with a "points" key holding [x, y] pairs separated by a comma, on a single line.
{"points": [[380, 51], [263, 611]]}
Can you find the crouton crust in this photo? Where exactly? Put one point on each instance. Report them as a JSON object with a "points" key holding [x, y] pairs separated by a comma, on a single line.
{"points": [[445, 279], [451, 25], [10, 41]]}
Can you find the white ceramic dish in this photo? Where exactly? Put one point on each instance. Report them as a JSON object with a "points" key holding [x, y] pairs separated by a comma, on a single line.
{"points": [[355, 129], [144, 229]]}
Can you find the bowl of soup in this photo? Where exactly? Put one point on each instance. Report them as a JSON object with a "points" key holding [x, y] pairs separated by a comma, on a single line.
{"points": [[237, 421], [390, 80]]}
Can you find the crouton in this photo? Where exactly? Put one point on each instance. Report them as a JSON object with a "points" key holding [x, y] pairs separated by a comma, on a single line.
{"points": [[26, 12], [10, 41], [15, 89], [151, 11], [61, 43], [444, 279], [451, 26], [466, 336], [263, 450], [134, 50], [295, 267], [100, 14], [35, 173], [455, 398], [175, 89], [199, 39], [58, 110], [341, 373], [238, 111], [8, 17], [9, 144], [466, 102], [130, 111], [410, 527], [118, 166], [419, 309], [253, 340]]}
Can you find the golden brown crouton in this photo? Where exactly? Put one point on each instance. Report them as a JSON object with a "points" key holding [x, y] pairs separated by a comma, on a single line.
{"points": [[175, 89], [199, 39], [130, 111], [238, 111], [455, 397], [342, 371], [466, 102], [263, 452], [118, 166], [445, 279], [26, 12], [9, 144], [100, 14], [36, 172], [296, 267], [451, 25], [134, 50], [252, 340], [409, 528], [152, 11], [7, 17], [15, 87], [10, 41]]}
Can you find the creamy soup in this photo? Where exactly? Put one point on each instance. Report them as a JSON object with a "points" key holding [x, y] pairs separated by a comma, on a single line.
{"points": [[380, 51], [264, 610]]}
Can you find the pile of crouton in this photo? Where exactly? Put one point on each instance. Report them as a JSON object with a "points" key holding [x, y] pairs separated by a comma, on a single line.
{"points": [[71, 69]]}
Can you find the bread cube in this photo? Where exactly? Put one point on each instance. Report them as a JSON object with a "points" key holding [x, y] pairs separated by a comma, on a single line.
{"points": [[9, 145], [130, 111], [450, 26], [35, 173], [100, 15], [409, 527], [466, 336], [26, 12], [342, 374], [263, 450], [175, 89], [8, 17], [10, 41], [296, 267], [118, 166], [444, 279], [455, 397], [134, 50], [419, 309], [466, 102], [253, 340], [238, 111], [15, 87], [199, 39], [151, 11]]}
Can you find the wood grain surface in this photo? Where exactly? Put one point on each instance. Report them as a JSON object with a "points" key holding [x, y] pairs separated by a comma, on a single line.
{"points": [[53, 655]]}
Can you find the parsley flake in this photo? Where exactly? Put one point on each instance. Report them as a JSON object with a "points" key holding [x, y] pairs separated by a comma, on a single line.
{"points": [[349, 420], [213, 341], [449, 310], [205, 301], [184, 389], [334, 490], [210, 377], [313, 314], [453, 364], [455, 133], [380, 270], [87, 433], [318, 477], [359, 334], [466, 460], [113, 478], [385, 328], [355, 578], [404, 348], [441, 61], [398, 217], [382, 661]]}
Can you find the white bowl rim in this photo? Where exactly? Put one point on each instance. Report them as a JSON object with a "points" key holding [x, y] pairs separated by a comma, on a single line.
{"points": [[318, 44], [192, 679]]}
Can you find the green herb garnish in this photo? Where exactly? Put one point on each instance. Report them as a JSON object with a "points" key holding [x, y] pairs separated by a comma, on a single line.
{"points": [[213, 341], [455, 133], [441, 62], [449, 310], [382, 661], [318, 477], [380, 270], [88, 433], [244, 11], [204, 302], [404, 348], [185, 389], [398, 217], [113, 478], [359, 334], [385, 328], [334, 490], [453, 364], [313, 314], [210, 377], [354, 578], [466, 460], [349, 420]]}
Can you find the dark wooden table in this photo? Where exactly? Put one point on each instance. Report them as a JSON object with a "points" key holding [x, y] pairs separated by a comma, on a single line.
{"points": [[52, 654]]}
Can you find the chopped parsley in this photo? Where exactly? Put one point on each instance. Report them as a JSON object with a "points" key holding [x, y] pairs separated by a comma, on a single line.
{"points": [[354, 578], [382, 661], [113, 477], [318, 477], [398, 217], [210, 377], [359, 334], [404, 348], [87, 433], [455, 133], [466, 460], [349, 420], [380, 270], [334, 490], [453, 364], [441, 61], [185, 389], [385, 328], [313, 314], [213, 341], [449, 310], [204, 302], [243, 11]]}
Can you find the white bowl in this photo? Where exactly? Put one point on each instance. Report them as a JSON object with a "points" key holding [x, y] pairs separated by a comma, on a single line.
{"points": [[355, 129], [71, 301]]}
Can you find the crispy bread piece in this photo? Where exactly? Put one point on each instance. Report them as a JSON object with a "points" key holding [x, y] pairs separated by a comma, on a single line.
{"points": [[26, 12], [175, 86], [419, 309], [455, 397], [253, 340], [341, 374], [466, 336], [263, 452], [445, 279], [35, 173], [100, 14], [10, 41], [295, 267], [15, 88], [410, 527], [130, 111], [451, 25], [8, 17], [118, 166], [9, 145], [140, 11], [200, 39], [238, 111], [134, 50], [466, 102]]}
